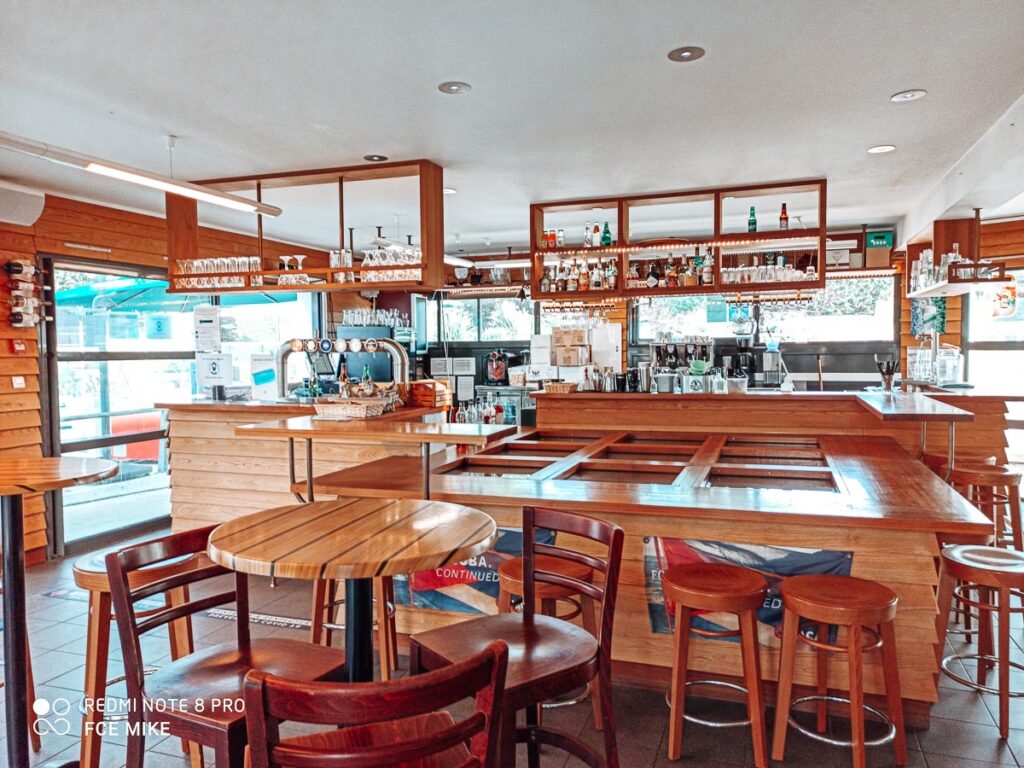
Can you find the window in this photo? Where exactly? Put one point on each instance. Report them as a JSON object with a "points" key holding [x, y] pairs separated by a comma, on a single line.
{"points": [[998, 316], [252, 324], [851, 309], [474, 320], [686, 316]]}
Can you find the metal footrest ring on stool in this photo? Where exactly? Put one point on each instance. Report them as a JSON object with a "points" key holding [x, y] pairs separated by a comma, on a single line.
{"points": [[881, 741], [341, 627], [113, 718], [712, 723], [569, 701], [966, 681]]}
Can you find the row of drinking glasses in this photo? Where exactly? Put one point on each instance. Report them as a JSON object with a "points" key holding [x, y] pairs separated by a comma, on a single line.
{"points": [[391, 318], [391, 255], [202, 268], [299, 278], [765, 273]]}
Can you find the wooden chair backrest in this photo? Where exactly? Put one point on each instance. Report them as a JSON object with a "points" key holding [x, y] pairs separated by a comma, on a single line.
{"points": [[271, 700], [600, 531], [131, 625]]}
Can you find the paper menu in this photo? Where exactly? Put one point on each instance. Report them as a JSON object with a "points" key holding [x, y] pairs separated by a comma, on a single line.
{"points": [[206, 326]]}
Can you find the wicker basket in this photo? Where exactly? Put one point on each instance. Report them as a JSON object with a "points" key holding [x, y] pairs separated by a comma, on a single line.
{"points": [[560, 387], [346, 410]]}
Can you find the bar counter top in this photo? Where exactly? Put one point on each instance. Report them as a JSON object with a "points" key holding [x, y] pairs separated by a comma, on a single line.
{"points": [[262, 409], [394, 430]]}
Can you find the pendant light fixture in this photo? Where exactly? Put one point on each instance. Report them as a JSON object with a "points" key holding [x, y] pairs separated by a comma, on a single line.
{"points": [[133, 175]]}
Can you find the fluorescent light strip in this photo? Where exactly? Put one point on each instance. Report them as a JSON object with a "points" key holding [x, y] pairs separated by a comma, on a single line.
{"points": [[133, 175]]}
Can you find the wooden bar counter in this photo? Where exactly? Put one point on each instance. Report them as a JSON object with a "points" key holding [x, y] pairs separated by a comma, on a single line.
{"points": [[217, 475], [862, 499]]}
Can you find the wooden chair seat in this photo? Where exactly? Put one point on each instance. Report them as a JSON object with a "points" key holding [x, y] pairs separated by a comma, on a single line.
{"points": [[714, 587], [510, 576], [984, 474], [543, 653], [363, 737], [90, 572], [219, 671], [987, 566], [843, 600]]}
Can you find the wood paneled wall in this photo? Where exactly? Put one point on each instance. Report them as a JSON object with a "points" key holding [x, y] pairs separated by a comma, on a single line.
{"points": [[133, 238], [20, 434]]}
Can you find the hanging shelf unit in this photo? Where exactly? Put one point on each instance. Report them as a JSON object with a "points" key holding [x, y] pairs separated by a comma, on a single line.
{"points": [[183, 243], [707, 219]]}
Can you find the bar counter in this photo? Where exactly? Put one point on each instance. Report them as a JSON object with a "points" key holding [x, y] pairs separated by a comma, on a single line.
{"points": [[217, 475], [861, 500]]}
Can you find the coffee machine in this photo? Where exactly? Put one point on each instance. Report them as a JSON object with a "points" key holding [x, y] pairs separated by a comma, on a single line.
{"points": [[679, 354]]}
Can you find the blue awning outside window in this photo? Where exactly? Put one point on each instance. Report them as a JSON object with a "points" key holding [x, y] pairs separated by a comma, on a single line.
{"points": [[143, 295]]}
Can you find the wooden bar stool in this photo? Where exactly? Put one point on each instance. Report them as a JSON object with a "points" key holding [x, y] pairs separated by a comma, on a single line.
{"points": [[91, 575], [510, 583], [327, 605], [995, 491], [860, 606], [716, 587], [991, 570]]}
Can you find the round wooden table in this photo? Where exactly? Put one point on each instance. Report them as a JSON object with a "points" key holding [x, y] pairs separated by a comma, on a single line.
{"points": [[17, 478], [355, 539]]}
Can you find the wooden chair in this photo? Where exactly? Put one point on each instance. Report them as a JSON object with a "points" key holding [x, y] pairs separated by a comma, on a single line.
{"points": [[997, 574], [33, 734], [207, 682], [91, 575], [326, 605], [548, 657], [861, 607], [381, 724], [716, 587], [995, 490], [510, 584]]}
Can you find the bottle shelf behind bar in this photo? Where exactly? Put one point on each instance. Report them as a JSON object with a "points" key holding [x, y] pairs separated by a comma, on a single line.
{"points": [[707, 259]]}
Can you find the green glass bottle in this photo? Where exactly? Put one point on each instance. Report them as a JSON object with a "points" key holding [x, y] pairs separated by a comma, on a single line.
{"points": [[367, 376], [606, 235], [752, 221]]}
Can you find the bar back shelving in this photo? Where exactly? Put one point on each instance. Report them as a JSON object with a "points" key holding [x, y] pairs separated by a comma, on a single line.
{"points": [[677, 233]]}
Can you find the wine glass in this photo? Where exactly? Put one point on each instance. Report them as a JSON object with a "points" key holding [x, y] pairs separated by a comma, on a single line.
{"points": [[302, 278], [285, 265]]}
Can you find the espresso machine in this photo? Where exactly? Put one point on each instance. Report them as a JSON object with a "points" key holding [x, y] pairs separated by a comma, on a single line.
{"points": [[679, 354]]}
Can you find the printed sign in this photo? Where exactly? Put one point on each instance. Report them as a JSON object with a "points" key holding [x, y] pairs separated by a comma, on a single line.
{"points": [[158, 326], [467, 587], [774, 563]]}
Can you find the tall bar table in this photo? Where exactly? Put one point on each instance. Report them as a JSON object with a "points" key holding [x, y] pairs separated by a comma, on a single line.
{"points": [[17, 478], [355, 539], [366, 430]]}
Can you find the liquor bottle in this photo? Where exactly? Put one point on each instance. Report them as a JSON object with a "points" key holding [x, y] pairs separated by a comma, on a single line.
{"points": [[595, 235], [671, 276], [598, 277], [587, 236], [367, 376], [20, 268], [573, 282], [708, 277], [633, 277], [652, 275], [499, 412], [606, 236], [545, 283], [690, 277], [752, 221], [560, 278], [27, 303], [552, 239], [612, 275], [784, 218], [584, 277], [560, 238], [343, 373], [697, 263], [488, 412], [25, 319]]}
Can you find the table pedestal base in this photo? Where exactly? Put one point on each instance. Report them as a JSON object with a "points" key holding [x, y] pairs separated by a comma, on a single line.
{"points": [[15, 635], [359, 630]]}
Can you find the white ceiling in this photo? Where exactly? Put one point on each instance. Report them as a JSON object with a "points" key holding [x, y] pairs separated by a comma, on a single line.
{"points": [[570, 98]]}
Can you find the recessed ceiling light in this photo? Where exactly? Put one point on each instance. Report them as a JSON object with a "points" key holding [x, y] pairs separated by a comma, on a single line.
{"points": [[910, 95], [449, 190], [881, 149], [375, 158], [454, 87], [687, 53]]}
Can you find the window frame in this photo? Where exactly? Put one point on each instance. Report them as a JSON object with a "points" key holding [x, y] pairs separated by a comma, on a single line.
{"points": [[478, 342], [969, 346]]}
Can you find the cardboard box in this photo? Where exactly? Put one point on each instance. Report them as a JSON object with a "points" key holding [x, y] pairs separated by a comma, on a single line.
{"points": [[570, 337], [541, 349], [572, 356], [539, 372], [877, 257]]}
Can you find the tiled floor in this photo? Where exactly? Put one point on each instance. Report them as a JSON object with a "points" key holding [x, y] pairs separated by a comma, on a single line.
{"points": [[963, 732]]}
